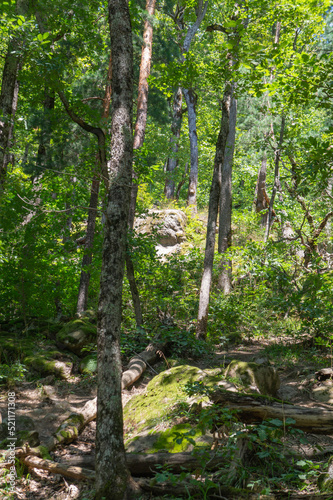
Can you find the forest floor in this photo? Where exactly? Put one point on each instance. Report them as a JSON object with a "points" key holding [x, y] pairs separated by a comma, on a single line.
{"points": [[48, 402]]}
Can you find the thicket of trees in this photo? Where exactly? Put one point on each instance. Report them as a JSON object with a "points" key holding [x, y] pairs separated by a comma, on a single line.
{"points": [[238, 118]]}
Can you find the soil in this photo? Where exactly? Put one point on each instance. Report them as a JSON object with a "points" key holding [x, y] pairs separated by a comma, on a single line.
{"points": [[49, 407]]}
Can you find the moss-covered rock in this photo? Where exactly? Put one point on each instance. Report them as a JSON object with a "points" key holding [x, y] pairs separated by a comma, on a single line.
{"points": [[148, 416], [45, 365], [23, 423], [263, 376], [76, 335], [88, 365], [12, 347], [323, 392], [325, 481]]}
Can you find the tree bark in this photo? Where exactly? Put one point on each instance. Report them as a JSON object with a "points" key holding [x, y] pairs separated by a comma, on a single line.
{"points": [[9, 98], [138, 140], [191, 101], [172, 162], [82, 300], [214, 198], [261, 200], [224, 241], [112, 475], [252, 409], [276, 179]]}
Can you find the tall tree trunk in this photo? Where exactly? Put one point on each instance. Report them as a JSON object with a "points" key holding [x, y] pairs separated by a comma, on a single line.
{"points": [[82, 299], [276, 179], [139, 137], [43, 154], [191, 101], [8, 105], [261, 200], [224, 241], [172, 161], [112, 475], [213, 208]]}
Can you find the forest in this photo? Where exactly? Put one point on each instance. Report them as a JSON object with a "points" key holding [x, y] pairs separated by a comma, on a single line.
{"points": [[166, 249]]}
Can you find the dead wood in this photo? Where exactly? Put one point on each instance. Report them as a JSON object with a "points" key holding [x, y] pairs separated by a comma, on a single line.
{"points": [[144, 464], [138, 364], [253, 409], [70, 471]]}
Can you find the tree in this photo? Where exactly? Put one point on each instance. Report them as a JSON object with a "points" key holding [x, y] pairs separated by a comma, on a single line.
{"points": [[9, 94], [111, 470]]}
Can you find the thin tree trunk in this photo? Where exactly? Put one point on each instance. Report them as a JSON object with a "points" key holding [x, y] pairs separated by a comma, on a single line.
{"points": [[172, 162], [213, 208], [261, 200], [112, 475], [276, 179], [139, 137], [87, 257], [224, 241], [191, 101], [82, 300]]}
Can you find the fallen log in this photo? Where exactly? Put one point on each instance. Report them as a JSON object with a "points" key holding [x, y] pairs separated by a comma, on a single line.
{"points": [[70, 471], [253, 409], [138, 364], [144, 464]]}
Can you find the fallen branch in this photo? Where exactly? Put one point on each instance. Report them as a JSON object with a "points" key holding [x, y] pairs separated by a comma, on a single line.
{"points": [[252, 409]]}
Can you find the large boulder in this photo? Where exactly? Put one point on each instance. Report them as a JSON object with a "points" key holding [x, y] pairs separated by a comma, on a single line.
{"points": [[155, 421], [76, 335], [260, 376], [168, 225]]}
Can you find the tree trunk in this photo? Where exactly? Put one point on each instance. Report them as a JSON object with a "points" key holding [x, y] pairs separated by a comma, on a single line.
{"points": [[8, 105], [224, 241], [214, 198], [112, 475], [261, 201], [138, 140], [191, 101], [82, 300], [89, 241], [172, 162], [276, 179]]}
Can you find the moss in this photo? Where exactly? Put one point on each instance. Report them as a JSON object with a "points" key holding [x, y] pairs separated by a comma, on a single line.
{"points": [[88, 365], [156, 406], [43, 451], [248, 373], [175, 440]]}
